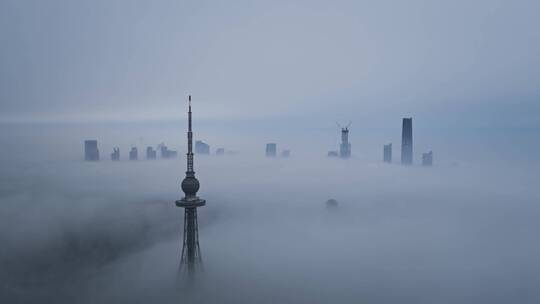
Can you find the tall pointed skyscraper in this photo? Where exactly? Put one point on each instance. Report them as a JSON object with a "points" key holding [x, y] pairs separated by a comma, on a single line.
{"points": [[407, 142], [191, 252]]}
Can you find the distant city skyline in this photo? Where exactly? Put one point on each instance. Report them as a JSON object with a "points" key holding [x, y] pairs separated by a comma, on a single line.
{"points": [[321, 188]]}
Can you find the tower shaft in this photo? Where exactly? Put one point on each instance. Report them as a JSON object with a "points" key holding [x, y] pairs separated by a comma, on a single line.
{"points": [[191, 252]]}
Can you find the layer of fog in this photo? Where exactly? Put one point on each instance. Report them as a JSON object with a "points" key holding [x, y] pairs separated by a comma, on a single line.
{"points": [[460, 232]]}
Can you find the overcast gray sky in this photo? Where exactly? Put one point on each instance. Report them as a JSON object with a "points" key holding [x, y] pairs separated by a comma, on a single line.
{"points": [[135, 60]]}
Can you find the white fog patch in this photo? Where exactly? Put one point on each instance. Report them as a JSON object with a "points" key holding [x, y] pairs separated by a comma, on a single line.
{"points": [[109, 232]]}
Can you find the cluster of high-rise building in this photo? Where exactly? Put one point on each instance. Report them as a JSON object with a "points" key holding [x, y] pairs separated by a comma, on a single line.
{"points": [[406, 147], [166, 153], [91, 152], [345, 146], [203, 148], [271, 151]]}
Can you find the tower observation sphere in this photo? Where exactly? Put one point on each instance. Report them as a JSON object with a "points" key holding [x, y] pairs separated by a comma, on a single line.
{"points": [[190, 186]]}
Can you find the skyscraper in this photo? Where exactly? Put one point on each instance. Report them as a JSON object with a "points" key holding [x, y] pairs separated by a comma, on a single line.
{"points": [[133, 154], [191, 252], [387, 153], [166, 153], [345, 146], [427, 159], [407, 142], [201, 147], [115, 155], [151, 153], [271, 150], [163, 150], [91, 152]]}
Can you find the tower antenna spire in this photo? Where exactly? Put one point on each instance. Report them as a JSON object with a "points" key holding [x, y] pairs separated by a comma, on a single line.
{"points": [[189, 114], [190, 171]]}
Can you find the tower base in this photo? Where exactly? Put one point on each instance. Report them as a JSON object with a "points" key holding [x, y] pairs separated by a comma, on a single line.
{"points": [[191, 260]]}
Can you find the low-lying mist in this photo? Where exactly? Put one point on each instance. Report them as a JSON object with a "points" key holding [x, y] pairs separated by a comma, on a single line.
{"points": [[109, 232]]}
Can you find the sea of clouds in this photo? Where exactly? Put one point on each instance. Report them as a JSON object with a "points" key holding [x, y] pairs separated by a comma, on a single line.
{"points": [[109, 232]]}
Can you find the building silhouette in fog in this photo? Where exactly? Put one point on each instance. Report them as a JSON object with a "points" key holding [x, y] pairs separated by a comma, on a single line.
{"points": [[427, 159], [191, 258], [166, 153], [333, 154], [387, 153], [115, 155], [201, 147], [220, 151], [133, 154], [345, 146], [163, 150], [407, 142], [151, 153], [285, 153], [271, 150], [91, 152]]}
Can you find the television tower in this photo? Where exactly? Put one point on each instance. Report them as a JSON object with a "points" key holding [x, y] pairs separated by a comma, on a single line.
{"points": [[191, 252]]}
